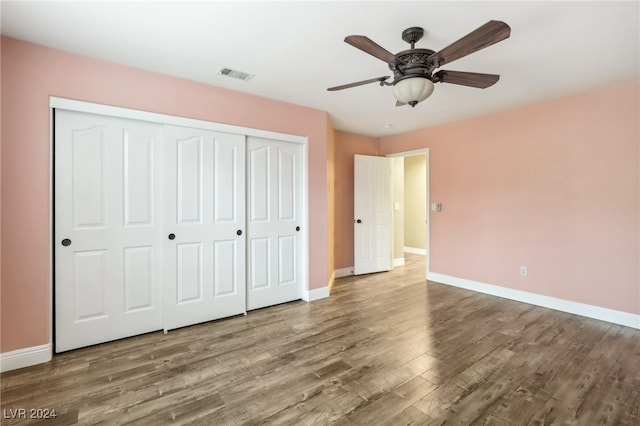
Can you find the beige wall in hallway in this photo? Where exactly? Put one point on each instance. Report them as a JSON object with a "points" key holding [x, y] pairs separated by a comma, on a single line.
{"points": [[415, 212]]}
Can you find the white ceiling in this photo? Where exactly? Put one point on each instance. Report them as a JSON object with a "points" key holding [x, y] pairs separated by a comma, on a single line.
{"points": [[296, 49]]}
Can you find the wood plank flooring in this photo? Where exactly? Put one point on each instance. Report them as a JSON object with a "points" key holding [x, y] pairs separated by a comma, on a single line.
{"points": [[384, 349]]}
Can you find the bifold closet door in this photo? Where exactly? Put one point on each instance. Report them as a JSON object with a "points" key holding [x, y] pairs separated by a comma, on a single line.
{"points": [[108, 259], [205, 226], [274, 222]]}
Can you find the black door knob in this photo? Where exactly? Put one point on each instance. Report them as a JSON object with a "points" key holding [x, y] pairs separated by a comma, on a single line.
{"points": [[297, 228], [358, 221], [172, 236], [66, 242], [239, 232]]}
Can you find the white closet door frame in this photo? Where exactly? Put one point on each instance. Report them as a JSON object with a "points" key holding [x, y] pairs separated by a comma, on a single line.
{"points": [[94, 108]]}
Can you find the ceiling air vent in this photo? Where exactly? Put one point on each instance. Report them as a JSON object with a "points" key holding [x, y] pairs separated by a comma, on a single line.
{"points": [[236, 74]]}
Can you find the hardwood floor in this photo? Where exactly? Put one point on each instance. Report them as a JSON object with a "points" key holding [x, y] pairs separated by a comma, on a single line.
{"points": [[384, 349]]}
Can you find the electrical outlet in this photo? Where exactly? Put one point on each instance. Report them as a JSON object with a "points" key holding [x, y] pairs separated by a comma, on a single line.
{"points": [[523, 271]]}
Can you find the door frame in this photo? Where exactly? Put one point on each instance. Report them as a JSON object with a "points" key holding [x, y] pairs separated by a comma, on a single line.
{"points": [[121, 112], [428, 210]]}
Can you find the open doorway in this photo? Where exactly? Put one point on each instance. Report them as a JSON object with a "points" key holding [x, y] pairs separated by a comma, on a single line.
{"points": [[410, 192]]}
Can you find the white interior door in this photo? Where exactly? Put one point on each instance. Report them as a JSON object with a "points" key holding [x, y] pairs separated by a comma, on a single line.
{"points": [[108, 256], [274, 222], [372, 211], [205, 225]]}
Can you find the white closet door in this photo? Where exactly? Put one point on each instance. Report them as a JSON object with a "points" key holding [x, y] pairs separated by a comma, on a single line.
{"points": [[274, 222], [107, 229], [205, 224]]}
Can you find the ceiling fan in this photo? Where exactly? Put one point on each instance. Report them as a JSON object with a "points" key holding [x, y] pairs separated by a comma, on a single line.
{"points": [[413, 69]]}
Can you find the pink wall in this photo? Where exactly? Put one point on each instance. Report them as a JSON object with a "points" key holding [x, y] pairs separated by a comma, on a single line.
{"points": [[30, 74], [347, 145], [553, 186]]}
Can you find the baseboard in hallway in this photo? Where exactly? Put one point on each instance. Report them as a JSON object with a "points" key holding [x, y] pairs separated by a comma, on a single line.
{"points": [[415, 250]]}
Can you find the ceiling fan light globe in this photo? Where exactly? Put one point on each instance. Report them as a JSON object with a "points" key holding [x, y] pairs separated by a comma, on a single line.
{"points": [[413, 90]]}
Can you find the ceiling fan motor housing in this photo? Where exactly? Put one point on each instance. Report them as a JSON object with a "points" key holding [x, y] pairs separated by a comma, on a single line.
{"points": [[413, 63]]}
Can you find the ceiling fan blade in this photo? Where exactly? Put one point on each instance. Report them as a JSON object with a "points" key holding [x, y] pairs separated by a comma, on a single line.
{"points": [[371, 47], [358, 83], [484, 36], [472, 79]]}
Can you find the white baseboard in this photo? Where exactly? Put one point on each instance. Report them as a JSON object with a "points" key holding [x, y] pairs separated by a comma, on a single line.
{"points": [[26, 357], [315, 294], [343, 272], [415, 250], [398, 261], [591, 311]]}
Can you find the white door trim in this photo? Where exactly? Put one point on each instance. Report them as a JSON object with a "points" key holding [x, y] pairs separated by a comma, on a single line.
{"points": [[100, 109], [114, 111], [428, 236]]}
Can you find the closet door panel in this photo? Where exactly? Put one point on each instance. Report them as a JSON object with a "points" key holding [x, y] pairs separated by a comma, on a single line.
{"points": [[138, 278], [189, 179], [287, 263], [189, 276], [87, 179], [225, 267], [205, 224], [225, 183], [275, 240], [138, 180], [259, 183], [107, 242]]}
